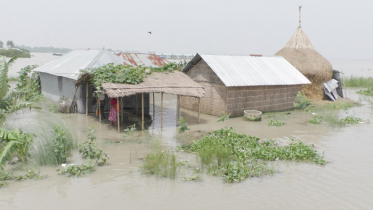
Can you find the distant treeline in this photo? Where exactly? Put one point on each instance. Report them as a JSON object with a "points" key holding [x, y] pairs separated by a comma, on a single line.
{"points": [[46, 49], [20, 53]]}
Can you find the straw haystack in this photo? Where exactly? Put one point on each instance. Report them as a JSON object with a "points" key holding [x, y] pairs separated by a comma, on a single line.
{"points": [[303, 56]]}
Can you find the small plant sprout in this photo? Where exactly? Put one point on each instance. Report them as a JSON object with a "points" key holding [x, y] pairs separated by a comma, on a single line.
{"points": [[89, 148], [183, 125], [224, 117]]}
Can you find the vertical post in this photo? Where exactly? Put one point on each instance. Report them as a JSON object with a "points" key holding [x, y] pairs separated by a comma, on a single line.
{"points": [[177, 110], [142, 111], [153, 106], [118, 120], [199, 108], [121, 108], [136, 104], [161, 110], [99, 106], [86, 100]]}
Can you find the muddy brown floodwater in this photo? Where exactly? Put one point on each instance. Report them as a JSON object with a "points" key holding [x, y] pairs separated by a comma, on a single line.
{"points": [[345, 182]]}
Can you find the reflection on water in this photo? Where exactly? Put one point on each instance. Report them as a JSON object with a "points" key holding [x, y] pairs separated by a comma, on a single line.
{"points": [[345, 182]]}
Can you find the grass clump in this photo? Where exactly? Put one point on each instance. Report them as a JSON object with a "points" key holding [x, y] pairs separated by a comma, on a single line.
{"points": [[89, 149], [52, 144], [183, 125], [160, 163], [236, 156], [276, 123], [334, 120], [77, 170], [354, 81]]}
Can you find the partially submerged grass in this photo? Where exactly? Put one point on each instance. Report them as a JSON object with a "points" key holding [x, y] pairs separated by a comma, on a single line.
{"points": [[333, 119], [276, 123], [368, 92], [354, 81], [235, 156], [337, 105], [160, 163], [77, 170]]}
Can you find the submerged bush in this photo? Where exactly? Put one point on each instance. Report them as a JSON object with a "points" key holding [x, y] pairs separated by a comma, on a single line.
{"points": [[236, 156], [302, 100], [28, 88], [77, 170], [160, 163]]}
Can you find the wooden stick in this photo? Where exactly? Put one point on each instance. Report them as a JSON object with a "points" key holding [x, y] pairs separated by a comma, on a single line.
{"points": [[161, 110], [86, 100], [121, 108], [199, 108], [118, 120], [142, 111]]}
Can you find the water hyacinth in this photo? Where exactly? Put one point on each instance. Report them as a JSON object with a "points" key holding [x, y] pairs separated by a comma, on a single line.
{"points": [[236, 156]]}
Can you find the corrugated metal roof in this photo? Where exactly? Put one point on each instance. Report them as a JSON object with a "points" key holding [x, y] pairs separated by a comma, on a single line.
{"points": [[69, 65], [251, 71], [143, 59]]}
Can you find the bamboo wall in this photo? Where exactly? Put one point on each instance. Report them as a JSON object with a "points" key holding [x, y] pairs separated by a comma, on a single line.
{"points": [[262, 98], [214, 100]]}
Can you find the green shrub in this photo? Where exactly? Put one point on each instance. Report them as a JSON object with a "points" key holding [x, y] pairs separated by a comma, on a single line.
{"points": [[183, 125], [302, 101], [276, 123], [89, 148]]}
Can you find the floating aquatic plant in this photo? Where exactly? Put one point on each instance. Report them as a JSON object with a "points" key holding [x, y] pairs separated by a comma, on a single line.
{"points": [[236, 156], [276, 123], [77, 170]]}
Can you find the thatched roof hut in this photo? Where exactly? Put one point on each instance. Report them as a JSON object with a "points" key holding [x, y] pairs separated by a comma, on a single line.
{"points": [[302, 55]]}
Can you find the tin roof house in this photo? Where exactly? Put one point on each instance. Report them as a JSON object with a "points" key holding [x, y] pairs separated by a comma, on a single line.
{"points": [[233, 84], [59, 77]]}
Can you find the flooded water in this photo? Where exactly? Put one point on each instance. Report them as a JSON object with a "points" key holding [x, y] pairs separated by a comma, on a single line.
{"points": [[345, 182]]}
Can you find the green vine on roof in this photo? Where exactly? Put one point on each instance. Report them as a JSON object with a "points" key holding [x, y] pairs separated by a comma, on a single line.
{"points": [[111, 73]]}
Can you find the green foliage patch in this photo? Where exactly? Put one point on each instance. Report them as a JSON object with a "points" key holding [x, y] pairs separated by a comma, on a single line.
{"points": [[77, 170], [111, 73], [20, 53], [367, 92], [236, 156], [28, 86]]}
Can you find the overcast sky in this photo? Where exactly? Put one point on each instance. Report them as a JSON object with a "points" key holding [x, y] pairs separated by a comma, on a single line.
{"points": [[338, 29]]}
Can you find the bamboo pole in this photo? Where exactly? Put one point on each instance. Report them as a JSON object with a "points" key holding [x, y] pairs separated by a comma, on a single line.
{"points": [[121, 108], [86, 100], [177, 110], [136, 104], [142, 111], [153, 106], [199, 109], [161, 110], [99, 106], [118, 121]]}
